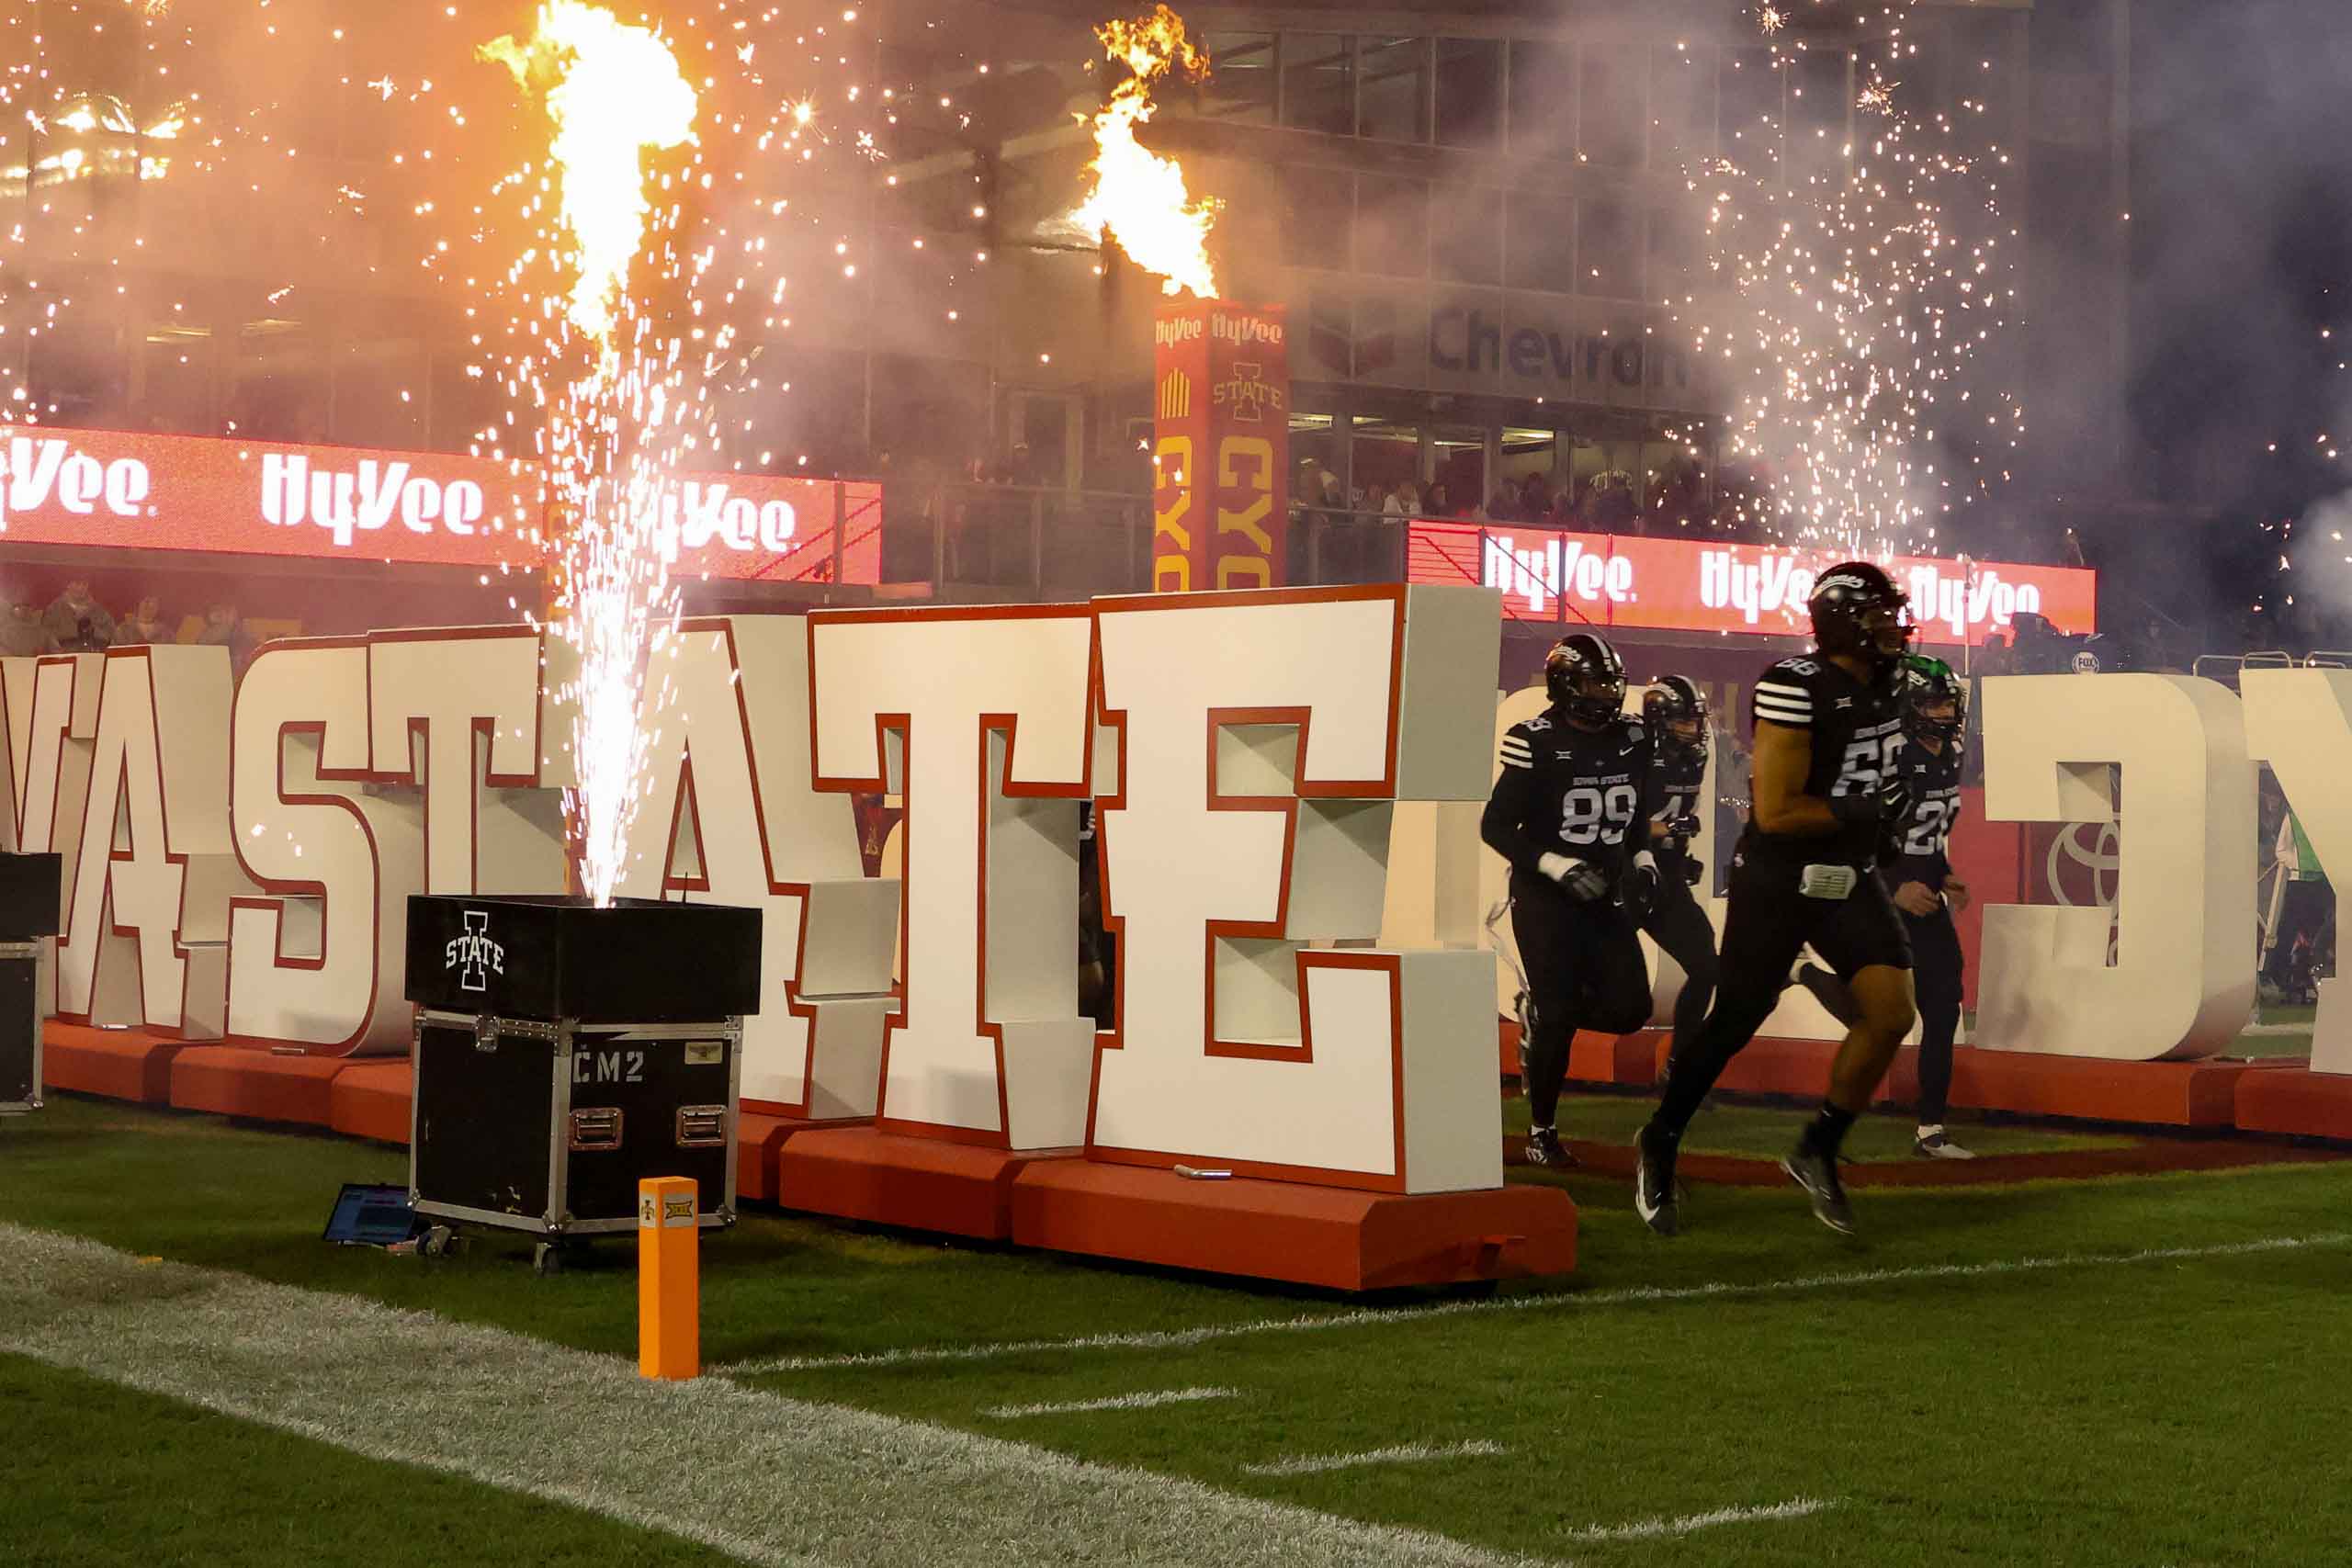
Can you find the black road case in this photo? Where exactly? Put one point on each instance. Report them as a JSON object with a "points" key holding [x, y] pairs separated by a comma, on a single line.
{"points": [[29, 895], [564, 1053]]}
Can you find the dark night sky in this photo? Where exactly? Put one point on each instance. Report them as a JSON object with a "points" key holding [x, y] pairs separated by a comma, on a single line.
{"points": [[2242, 230]]}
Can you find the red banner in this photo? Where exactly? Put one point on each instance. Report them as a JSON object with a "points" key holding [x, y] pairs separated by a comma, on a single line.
{"points": [[1221, 405], [1606, 580], [184, 492]]}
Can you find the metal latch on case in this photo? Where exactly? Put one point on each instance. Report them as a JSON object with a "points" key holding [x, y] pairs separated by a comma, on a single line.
{"points": [[596, 1127], [702, 1127]]}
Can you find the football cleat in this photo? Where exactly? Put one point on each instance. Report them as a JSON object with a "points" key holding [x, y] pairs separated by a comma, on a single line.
{"points": [[1653, 1189], [1933, 1143], [1545, 1149], [1817, 1174]]}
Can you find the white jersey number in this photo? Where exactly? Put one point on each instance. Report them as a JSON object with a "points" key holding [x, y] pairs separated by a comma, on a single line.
{"points": [[1588, 817]]}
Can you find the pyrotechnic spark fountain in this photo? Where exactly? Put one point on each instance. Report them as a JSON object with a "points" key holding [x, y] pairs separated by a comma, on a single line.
{"points": [[611, 92], [1859, 296], [1140, 198]]}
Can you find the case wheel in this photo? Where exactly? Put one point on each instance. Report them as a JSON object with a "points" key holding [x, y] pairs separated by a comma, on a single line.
{"points": [[546, 1258]]}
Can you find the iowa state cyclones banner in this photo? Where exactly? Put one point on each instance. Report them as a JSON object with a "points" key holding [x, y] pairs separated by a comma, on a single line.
{"points": [[1221, 403]]}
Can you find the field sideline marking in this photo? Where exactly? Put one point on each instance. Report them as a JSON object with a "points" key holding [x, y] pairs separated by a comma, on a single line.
{"points": [[1663, 1528], [1402, 1453], [1373, 1317], [769, 1480], [1149, 1400]]}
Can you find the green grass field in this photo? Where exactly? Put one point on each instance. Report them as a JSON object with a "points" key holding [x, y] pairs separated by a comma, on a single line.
{"points": [[1995, 1375]]}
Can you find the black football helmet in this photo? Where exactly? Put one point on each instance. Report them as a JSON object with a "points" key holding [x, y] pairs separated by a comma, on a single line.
{"points": [[1857, 609], [1586, 679], [1676, 711], [1929, 683]]}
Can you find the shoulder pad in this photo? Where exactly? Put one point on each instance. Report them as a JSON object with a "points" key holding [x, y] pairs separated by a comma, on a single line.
{"points": [[1535, 726]]}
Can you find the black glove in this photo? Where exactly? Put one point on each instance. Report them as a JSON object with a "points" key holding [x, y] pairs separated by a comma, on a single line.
{"points": [[1680, 831], [1693, 871], [1580, 879], [1641, 886]]}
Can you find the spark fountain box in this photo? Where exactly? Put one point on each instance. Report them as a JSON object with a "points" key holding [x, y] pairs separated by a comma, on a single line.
{"points": [[548, 957], [565, 1051], [1221, 456]]}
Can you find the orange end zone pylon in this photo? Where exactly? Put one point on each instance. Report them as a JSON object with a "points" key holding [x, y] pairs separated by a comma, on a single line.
{"points": [[669, 1285]]}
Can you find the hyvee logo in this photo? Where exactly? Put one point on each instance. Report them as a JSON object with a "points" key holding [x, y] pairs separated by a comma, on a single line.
{"points": [[1959, 603], [42, 471], [696, 516], [1559, 569], [1249, 394], [347, 503], [1246, 330], [1773, 584], [474, 955], [1171, 331]]}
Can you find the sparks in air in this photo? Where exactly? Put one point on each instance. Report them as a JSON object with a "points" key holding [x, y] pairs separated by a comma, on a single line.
{"points": [[1864, 278], [1140, 198], [612, 92]]}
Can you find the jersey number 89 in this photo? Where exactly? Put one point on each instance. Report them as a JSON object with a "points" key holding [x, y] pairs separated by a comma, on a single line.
{"points": [[1588, 815]]}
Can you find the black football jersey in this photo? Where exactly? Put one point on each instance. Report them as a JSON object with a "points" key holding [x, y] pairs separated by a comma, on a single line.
{"points": [[1588, 795], [1856, 730], [1682, 778], [1925, 834]]}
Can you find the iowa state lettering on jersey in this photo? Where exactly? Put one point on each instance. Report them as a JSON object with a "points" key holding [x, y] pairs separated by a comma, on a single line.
{"points": [[1595, 776]]}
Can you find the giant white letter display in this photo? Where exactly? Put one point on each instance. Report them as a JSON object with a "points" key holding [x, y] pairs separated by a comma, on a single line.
{"points": [[51, 719], [2299, 721], [147, 909], [726, 816], [981, 717], [2183, 981], [459, 712], [1261, 738], [319, 963]]}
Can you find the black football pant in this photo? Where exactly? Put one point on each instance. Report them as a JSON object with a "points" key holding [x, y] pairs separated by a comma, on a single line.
{"points": [[1584, 971], [1679, 926], [1768, 924], [1937, 972]]}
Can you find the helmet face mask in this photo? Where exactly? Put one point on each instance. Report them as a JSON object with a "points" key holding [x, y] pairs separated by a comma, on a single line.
{"points": [[1675, 709], [1585, 680], [1858, 611], [1935, 703]]}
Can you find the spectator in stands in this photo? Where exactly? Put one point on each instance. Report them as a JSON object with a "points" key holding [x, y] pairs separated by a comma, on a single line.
{"points": [[1405, 501], [22, 635], [144, 626], [223, 627], [1503, 506], [1534, 499], [1436, 503], [76, 622]]}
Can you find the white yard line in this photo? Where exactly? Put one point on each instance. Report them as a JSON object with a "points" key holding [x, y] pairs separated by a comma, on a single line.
{"points": [[1148, 1401], [764, 1478], [1664, 1528], [1402, 1453], [1377, 1317]]}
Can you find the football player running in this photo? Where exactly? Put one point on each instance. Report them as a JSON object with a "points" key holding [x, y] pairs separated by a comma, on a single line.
{"points": [[1675, 711], [1927, 894], [1571, 813], [1826, 796]]}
